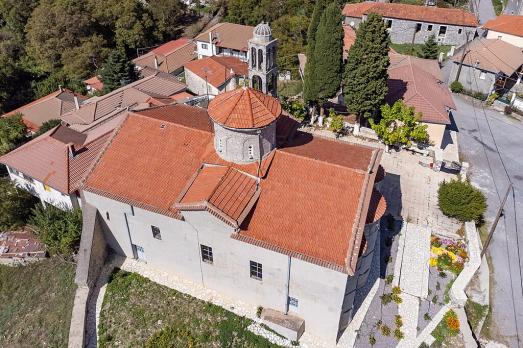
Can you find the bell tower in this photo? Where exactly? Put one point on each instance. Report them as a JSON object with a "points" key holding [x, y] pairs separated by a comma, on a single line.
{"points": [[263, 70]]}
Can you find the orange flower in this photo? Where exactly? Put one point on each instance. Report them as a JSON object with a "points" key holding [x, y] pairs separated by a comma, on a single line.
{"points": [[452, 323]]}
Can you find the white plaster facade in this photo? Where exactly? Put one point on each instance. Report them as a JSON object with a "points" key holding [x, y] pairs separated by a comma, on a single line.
{"points": [[320, 292], [45, 193], [511, 39], [205, 49]]}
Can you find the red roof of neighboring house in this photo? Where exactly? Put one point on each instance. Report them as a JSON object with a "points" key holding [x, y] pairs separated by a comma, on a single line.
{"points": [[244, 108], [20, 244], [507, 24], [313, 198], [48, 157], [170, 56], [218, 69], [95, 83], [410, 80], [50, 107], [228, 35], [349, 36], [430, 14]]}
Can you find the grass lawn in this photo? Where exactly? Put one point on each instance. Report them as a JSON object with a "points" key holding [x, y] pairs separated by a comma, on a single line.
{"points": [[137, 312], [415, 49], [290, 88], [36, 303]]}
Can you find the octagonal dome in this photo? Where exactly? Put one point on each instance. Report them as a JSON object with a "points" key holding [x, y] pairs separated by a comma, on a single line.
{"points": [[244, 108]]}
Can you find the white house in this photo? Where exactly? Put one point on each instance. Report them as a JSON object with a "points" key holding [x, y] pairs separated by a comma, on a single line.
{"points": [[236, 200], [227, 39], [507, 28]]}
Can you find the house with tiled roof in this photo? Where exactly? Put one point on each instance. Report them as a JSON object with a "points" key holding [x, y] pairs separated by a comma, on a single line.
{"points": [[53, 166], [227, 39], [489, 65], [50, 107], [508, 28], [94, 84], [234, 198], [169, 57], [418, 82], [215, 75], [414, 24]]}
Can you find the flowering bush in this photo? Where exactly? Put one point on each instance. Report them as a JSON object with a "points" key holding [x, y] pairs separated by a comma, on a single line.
{"points": [[452, 322], [448, 254]]}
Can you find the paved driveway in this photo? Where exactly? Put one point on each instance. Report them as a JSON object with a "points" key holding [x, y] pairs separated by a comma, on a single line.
{"points": [[479, 146]]}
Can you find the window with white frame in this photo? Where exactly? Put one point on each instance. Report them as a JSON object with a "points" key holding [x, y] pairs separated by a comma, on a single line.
{"points": [[204, 46], [251, 152], [293, 303], [256, 270], [206, 253], [156, 232], [442, 30]]}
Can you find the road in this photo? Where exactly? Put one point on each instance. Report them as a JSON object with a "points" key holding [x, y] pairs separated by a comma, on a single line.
{"points": [[479, 142], [485, 10]]}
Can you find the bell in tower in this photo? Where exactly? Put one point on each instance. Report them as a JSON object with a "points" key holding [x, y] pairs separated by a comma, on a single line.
{"points": [[263, 70]]}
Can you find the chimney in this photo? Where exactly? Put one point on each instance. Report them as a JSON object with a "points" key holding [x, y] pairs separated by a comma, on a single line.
{"points": [[76, 102], [155, 62]]}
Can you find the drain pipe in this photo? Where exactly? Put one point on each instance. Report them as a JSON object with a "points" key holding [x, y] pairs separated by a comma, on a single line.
{"points": [[287, 286]]}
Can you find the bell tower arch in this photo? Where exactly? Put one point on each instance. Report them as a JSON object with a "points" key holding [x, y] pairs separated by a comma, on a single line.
{"points": [[263, 70]]}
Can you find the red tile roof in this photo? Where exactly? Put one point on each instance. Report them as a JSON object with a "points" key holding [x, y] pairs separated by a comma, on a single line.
{"points": [[170, 56], [313, 199], [349, 36], [20, 244], [95, 83], [52, 106], [428, 14], [225, 191], [507, 24], [244, 108], [217, 70], [60, 158], [419, 89]]}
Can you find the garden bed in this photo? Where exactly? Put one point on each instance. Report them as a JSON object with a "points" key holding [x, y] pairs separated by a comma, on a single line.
{"points": [[137, 312], [36, 303]]}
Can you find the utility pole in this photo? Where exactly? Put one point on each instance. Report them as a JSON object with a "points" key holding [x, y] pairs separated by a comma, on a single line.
{"points": [[465, 52], [495, 223]]}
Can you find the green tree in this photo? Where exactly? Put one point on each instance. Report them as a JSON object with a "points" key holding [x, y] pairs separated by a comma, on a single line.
{"points": [[13, 133], [461, 200], [310, 91], [399, 125], [328, 54], [291, 32], [167, 15], [429, 50], [47, 126], [117, 71], [15, 205], [60, 230], [365, 80]]}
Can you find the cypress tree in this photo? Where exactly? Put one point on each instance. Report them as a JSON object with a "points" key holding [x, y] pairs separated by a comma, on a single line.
{"points": [[365, 85], [430, 49], [309, 87], [118, 71], [328, 52]]}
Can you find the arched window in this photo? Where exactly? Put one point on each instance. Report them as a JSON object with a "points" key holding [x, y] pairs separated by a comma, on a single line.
{"points": [[256, 83], [253, 57], [260, 58], [268, 59], [251, 152]]}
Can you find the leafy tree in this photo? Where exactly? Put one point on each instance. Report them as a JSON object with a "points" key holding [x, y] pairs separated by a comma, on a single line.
{"points": [[328, 54], [117, 71], [15, 84], [60, 230], [47, 126], [365, 85], [461, 200], [399, 125], [13, 133], [81, 61], [294, 107], [456, 87], [310, 87], [337, 123], [15, 205], [167, 15], [429, 50], [291, 32]]}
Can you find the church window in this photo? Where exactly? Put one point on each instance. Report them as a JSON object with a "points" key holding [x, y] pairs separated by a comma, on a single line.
{"points": [[251, 152], [220, 145], [253, 57], [260, 59]]}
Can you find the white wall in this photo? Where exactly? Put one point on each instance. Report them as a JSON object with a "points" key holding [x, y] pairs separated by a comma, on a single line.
{"points": [[205, 52], [197, 85], [511, 39], [46, 194], [320, 296]]}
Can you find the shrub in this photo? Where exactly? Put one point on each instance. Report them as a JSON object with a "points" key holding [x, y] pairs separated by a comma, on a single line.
{"points": [[60, 230], [171, 337], [386, 299], [398, 334], [15, 205], [396, 290], [427, 317], [460, 200], [456, 87], [259, 311], [385, 330], [337, 123], [452, 322], [491, 98], [397, 299], [389, 279]]}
